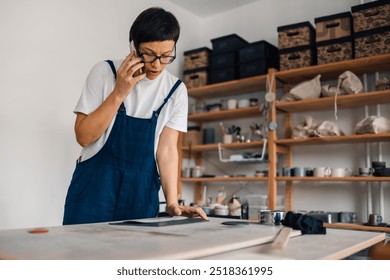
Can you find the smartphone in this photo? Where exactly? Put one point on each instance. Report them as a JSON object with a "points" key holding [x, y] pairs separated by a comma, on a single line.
{"points": [[132, 48]]}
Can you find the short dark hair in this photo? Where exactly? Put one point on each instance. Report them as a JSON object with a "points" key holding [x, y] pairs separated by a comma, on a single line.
{"points": [[154, 24]]}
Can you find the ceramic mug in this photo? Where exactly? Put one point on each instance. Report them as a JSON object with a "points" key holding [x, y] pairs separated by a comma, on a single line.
{"points": [[242, 103], [232, 104], [300, 171], [228, 138], [197, 171], [186, 172], [366, 171], [321, 172], [340, 172], [286, 171], [374, 219]]}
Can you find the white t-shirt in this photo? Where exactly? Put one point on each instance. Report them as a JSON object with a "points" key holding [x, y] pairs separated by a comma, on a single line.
{"points": [[146, 97]]}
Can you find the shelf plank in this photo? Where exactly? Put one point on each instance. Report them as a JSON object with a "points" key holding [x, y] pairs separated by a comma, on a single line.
{"points": [[327, 103], [360, 138], [338, 179], [232, 146], [224, 179], [358, 66], [246, 112], [235, 87]]}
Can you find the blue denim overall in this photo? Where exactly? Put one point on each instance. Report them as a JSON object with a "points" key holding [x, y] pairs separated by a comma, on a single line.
{"points": [[121, 181]]}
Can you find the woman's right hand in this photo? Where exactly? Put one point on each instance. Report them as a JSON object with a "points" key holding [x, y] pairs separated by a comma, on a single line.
{"points": [[90, 127], [127, 75], [188, 211]]}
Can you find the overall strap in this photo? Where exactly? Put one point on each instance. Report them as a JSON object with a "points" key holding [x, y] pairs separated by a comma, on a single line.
{"points": [[112, 67], [175, 86], [122, 107]]}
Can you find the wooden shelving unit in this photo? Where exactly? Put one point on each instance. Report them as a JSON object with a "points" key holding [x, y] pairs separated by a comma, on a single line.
{"points": [[276, 146], [330, 71]]}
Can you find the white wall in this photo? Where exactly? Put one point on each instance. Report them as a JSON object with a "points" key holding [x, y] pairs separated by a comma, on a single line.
{"points": [[46, 50]]}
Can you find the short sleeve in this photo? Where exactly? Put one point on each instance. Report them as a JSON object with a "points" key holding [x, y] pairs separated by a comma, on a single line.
{"points": [[92, 95], [178, 119]]}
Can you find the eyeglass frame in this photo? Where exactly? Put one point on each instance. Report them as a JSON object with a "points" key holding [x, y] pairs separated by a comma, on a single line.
{"points": [[173, 57]]}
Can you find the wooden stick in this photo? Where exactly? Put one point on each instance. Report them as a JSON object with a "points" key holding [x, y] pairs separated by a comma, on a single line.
{"points": [[282, 238]]}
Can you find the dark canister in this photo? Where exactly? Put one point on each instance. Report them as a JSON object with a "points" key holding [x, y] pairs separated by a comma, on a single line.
{"points": [[208, 136], [244, 211], [379, 167]]}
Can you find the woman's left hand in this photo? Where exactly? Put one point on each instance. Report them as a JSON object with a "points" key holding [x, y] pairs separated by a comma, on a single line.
{"points": [[189, 211]]}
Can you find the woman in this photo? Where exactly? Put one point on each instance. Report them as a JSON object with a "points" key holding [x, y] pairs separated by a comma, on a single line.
{"points": [[128, 120]]}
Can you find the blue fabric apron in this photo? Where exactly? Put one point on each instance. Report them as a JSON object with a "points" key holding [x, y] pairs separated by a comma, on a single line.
{"points": [[121, 181]]}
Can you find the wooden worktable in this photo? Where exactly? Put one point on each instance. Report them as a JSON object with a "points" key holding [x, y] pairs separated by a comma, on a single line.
{"points": [[189, 241]]}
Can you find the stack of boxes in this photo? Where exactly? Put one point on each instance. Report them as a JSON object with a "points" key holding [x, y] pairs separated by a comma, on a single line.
{"points": [[224, 60], [344, 36], [231, 58], [196, 67], [296, 44], [256, 58], [334, 38], [371, 22]]}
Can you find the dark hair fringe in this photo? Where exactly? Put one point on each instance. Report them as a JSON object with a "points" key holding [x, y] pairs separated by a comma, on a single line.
{"points": [[154, 24]]}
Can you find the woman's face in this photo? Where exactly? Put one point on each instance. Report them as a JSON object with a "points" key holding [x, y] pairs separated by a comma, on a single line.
{"points": [[150, 50]]}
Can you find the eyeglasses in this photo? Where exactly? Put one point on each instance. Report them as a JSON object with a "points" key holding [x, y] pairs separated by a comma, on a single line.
{"points": [[164, 59]]}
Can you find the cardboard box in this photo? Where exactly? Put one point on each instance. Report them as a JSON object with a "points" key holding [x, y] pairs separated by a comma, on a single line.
{"points": [[296, 35], [371, 15], [333, 27]]}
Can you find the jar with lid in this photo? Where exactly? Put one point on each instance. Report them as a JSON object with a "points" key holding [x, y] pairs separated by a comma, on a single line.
{"points": [[253, 102], [197, 171]]}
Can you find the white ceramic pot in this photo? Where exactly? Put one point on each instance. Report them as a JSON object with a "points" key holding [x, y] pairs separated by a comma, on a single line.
{"points": [[221, 210]]}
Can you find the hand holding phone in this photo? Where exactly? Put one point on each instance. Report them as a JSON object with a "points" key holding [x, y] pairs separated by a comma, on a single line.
{"points": [[132, 48], [129, 74]]}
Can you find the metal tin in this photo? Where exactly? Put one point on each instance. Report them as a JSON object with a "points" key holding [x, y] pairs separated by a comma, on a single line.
{"points": [[271, 217]]}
